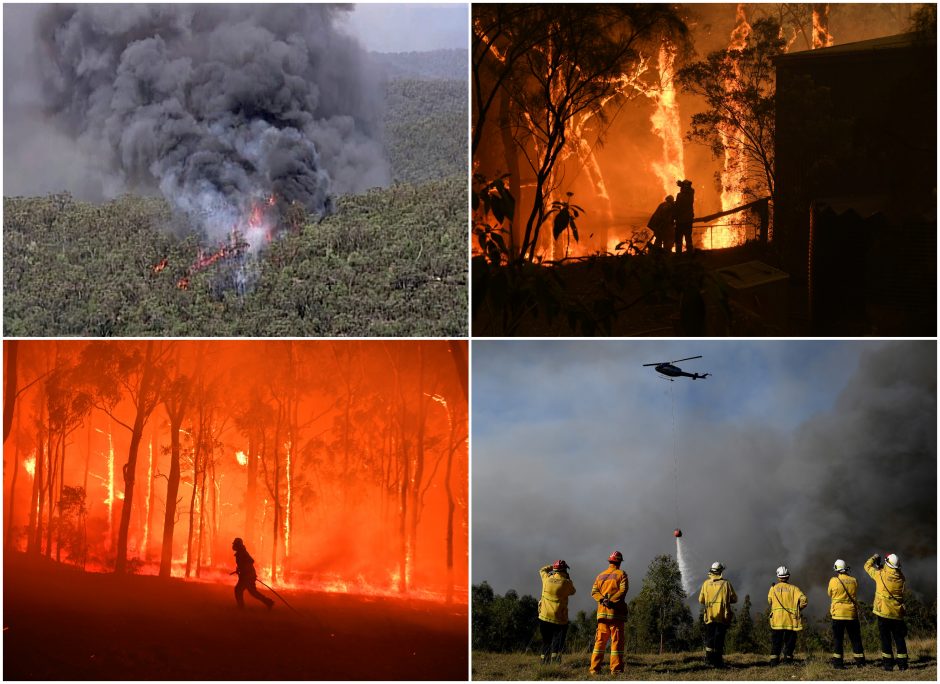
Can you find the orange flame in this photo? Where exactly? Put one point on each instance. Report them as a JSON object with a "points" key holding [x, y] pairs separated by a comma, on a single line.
{"points": [[666, 124], [241, 457], [30, 464], [821, 36], [734, 171]]}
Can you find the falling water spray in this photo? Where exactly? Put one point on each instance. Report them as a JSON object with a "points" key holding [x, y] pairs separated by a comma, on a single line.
{"points": [[684, 568]]}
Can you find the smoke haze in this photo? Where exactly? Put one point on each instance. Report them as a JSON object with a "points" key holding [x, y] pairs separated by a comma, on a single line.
{"points": [[213, 106], [793, 453]]}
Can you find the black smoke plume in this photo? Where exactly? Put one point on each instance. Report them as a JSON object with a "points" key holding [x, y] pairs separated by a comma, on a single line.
{"points": [[217, 106]]}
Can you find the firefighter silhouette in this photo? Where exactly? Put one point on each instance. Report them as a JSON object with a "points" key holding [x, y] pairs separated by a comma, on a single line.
{"points": [[245, 568]]}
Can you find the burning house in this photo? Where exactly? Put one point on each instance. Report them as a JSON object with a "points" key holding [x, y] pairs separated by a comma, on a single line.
{"points": [[856, 203]]}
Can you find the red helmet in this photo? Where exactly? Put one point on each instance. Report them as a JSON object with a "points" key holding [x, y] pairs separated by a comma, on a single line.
{"points": [[615, 557], [559, 565]]}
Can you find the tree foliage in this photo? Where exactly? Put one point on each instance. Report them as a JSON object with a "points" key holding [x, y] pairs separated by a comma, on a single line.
{"points": [[739, 90], [389, 262], [742, 636], [658, 618], [502, 623]]}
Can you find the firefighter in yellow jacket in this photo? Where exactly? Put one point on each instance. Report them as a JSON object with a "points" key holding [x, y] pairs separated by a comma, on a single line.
{"points": [[786, 616], [716, 595], [609, 590], [843, 609], [553, 609], [889, 607]]}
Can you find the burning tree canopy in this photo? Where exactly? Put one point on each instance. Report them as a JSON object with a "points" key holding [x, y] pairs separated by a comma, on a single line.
{"points": [[343, 465], [219, 107], [552, 71], [599, 101]]}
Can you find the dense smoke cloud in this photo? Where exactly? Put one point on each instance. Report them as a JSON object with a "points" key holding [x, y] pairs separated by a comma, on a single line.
{"points": [[215, 106], [790, 454]]}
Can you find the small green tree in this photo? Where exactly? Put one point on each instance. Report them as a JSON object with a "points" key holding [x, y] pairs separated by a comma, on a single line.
{"points": [[481, 600], [502, 623], [762, 631], [742, 634], [659, 617]]}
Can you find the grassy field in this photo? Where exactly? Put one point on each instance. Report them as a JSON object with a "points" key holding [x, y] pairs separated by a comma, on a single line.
{"points": [[691, 666]]}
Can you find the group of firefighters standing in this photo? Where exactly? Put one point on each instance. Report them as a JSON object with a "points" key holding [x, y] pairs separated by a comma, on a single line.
{"points": [[786, 603], [671, 223]]}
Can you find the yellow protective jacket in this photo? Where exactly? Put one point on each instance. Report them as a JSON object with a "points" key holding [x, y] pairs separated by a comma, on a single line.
{"points": [[717, 595], [613, 584], [842, 590], [889, 590], [786, 601], [556, 588]]}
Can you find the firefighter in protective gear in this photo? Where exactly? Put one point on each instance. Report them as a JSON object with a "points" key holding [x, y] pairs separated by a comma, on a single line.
{"points": [[786, 616], [609, 590], [843, 610], [553, 609], [685, 212], [663, 224], [716, 595], [889, 607], [245, 567]]}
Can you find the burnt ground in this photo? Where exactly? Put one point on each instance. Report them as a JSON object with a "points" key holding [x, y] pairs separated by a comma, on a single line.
{"points": [[61, 623], [648, 301]]}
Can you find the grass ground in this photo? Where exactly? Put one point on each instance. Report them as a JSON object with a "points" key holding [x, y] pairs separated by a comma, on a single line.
{"points": [[691, 666]]}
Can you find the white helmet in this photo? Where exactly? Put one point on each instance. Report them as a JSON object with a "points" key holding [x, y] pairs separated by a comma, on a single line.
{"points": [[840, 566], [782, 572], [893, 561], [717, 568]]}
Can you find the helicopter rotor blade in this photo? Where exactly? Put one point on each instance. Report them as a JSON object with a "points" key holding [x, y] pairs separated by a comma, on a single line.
{"points": [[688, 359]]}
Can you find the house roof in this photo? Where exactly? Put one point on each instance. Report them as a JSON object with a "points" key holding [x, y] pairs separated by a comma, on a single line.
{"points": [[898, 42]]}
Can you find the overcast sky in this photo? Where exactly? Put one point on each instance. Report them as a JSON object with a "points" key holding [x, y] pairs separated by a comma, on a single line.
{"points": [[793, 453], [391, 27]]}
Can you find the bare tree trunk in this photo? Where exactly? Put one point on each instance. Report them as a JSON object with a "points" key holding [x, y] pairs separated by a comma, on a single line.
{"points": [[9, 390], [402, 525], [252, 489], [61, 468], [277, 498], [172, 490], [202, 513], [150, 496], [43, 486], [35, 519], [8, 540], [192, 509], [448, 487], [50, 491], [137, 433], [120, 565], [418, 467]]}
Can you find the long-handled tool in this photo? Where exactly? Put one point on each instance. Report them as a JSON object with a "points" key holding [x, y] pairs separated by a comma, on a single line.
{"points": [[271, 589]]}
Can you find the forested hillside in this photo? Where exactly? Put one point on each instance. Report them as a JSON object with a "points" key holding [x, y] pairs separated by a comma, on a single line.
{"points": [[443, 65], [426, 129], [390, 262]]}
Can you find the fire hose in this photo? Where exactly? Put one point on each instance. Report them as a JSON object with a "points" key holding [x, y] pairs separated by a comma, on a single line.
{"points": [[271, 589]]}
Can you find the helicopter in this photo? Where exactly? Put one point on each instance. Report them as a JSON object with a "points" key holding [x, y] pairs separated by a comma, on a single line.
{"points": [[672, 372]]}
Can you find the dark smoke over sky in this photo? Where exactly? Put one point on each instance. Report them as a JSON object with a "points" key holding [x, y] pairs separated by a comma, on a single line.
{"points": [[213, 106], [793, 453]]}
